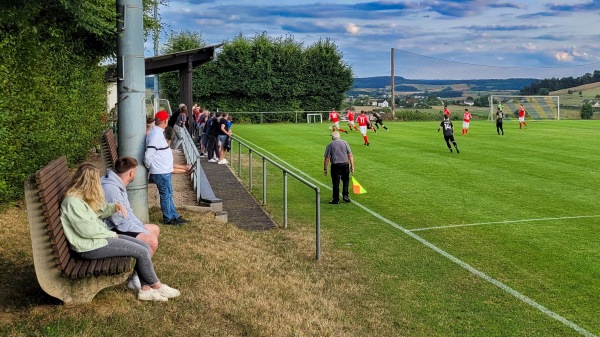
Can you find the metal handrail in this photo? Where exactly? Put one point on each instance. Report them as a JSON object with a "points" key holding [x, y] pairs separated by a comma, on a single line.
{"points": [[192, 155], [285, 172]]}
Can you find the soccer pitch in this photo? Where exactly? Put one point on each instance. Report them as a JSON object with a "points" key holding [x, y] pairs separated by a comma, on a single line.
{"points": [[501, 239]]}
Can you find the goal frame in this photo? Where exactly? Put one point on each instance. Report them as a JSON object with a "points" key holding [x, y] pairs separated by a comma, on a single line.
{"points": [[492, 110]]}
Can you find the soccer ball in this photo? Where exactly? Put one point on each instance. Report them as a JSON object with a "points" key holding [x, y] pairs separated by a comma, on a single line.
{"points": [[330, 127]]}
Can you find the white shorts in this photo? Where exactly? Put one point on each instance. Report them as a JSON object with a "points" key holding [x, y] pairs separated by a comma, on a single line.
{"points": [[465, 125], [336, 125], [521, 119], [363, 130], [351, 123]]}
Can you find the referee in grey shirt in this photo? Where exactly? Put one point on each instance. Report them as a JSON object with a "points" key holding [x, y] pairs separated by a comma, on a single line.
{"points": [[342, 163]]}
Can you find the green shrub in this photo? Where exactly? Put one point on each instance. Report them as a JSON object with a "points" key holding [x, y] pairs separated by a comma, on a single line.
{"points": [[587, 111]]}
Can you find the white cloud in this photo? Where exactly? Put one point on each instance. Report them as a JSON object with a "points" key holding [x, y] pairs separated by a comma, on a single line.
{"points": [[563, 56], [352, 28], [529, 46]]}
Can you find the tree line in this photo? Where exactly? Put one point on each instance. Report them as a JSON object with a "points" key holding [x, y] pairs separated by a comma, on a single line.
{"points": [[264, 73], [543, 87]]}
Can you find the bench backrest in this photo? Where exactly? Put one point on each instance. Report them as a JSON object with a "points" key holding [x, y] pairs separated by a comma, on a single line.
{"points": [[52, 182], [108, 147]]}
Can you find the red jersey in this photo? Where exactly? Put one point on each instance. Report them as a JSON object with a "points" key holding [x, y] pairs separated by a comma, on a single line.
{"points": [[362, 120], [467, 117], [334, 116], [446, 111], [521, 112], [350, 115]]}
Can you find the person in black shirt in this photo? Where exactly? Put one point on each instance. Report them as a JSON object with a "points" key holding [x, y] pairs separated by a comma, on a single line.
{"points": [[448, 132], [379, 121], [499, 117], [213, 134]]}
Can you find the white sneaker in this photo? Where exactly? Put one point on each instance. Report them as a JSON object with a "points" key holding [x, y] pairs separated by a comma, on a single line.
{"points": [[151, 295], [168, 292], [134, 282], [213, 160], [222, 161]]}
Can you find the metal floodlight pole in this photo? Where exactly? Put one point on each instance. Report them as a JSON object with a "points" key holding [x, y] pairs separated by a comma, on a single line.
{"points": [[131, 93], [393, 105]]}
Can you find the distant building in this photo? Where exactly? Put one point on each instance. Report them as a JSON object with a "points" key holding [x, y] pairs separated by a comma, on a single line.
{"points": [[594, 104], [468, 102]]}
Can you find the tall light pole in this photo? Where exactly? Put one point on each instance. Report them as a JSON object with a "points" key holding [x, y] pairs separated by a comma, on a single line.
{"points": [[131, 97]]}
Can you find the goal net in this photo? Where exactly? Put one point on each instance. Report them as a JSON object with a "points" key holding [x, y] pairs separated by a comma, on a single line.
{"points": [[536, 107]]}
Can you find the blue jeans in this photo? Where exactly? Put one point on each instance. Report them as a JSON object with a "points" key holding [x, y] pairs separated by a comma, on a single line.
{"points": [[127, 246], [164, 183]]}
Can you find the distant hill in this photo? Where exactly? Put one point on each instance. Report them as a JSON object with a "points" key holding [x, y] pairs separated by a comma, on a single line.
{"points": [[475, 85]]}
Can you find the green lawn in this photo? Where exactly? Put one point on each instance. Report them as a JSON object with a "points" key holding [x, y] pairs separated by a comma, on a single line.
{"points": [[520, 208]]}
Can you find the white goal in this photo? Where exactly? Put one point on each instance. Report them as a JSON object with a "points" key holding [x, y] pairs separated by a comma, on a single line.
{"points": [[537, 107]]}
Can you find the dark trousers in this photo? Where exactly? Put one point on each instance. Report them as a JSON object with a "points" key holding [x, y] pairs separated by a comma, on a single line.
{"points": [[499, 127], [340, 172], [211, 146]]}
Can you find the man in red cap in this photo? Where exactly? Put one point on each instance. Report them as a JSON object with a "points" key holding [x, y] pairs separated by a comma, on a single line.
{"points": [[159, 161]]}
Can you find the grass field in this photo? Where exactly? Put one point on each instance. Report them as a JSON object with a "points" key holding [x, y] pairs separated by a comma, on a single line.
{"points": [[501, 239]]}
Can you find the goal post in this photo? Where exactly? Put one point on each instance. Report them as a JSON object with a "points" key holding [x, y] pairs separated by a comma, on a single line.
{"points": [[537, 107]]}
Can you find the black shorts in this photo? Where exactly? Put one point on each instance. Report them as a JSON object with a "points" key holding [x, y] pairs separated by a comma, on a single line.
{"points": [[449, 138]]}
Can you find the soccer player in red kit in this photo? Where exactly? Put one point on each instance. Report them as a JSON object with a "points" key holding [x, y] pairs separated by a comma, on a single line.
{"points": [[363, 123], [446, 111], [522, 116], [350, 116], [466, 121], [334, 116]]}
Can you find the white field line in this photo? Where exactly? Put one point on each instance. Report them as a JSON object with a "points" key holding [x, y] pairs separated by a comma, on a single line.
{"points": [[449, 256], [504, 222]]}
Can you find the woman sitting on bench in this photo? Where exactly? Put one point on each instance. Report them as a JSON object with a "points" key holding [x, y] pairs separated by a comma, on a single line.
{"points": [[82, 209]]}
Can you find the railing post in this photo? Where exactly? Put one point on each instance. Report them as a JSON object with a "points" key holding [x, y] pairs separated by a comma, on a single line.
{"points": [[250, 167], [318, 223], [240, 158], [285, 201], [264, 181]]}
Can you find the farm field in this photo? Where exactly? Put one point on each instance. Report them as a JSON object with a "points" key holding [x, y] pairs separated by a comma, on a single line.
{"points": [[499, 240]]}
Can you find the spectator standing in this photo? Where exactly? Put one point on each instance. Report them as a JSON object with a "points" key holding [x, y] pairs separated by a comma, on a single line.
{"points": [[212, 143], [179, 128], [158, 158], [338, 153], [169, 132], [224, 134]]}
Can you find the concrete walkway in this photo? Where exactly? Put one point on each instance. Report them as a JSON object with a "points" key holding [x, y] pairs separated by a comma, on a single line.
{"points": [[242, 208]]}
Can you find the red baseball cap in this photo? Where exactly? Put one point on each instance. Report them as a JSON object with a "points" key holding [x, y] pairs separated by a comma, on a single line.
{"points": [[162, 115]]}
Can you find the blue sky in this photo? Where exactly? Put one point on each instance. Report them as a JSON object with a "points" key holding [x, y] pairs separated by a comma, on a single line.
{"points": [[460, 39]]}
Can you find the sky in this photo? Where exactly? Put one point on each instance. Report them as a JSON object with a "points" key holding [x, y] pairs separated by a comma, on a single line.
{"points": [[432, 39]]}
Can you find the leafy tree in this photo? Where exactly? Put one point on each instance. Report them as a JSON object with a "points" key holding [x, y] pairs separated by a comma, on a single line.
{"points": [[544, 92], [580, 93], [52, 86], [266, 73], [587, 111]]}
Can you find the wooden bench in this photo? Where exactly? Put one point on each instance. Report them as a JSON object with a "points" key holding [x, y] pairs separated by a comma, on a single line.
{"points": [[59, 271], [108, 149]]}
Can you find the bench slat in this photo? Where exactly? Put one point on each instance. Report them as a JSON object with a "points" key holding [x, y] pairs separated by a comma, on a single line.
{"points": [[76, 268], [90, 269]]}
